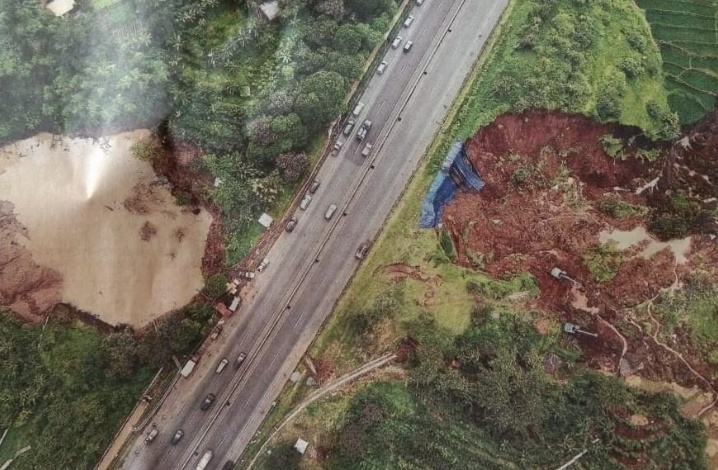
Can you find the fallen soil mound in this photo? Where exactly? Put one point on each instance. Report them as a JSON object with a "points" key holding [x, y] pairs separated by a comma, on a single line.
{"points": [[555, 198]]}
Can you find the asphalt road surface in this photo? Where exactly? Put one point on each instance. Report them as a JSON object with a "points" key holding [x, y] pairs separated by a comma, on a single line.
{"points": [[310, 267]]}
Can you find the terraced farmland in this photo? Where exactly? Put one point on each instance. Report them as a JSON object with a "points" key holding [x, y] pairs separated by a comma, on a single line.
{"points": [[687, 33]]}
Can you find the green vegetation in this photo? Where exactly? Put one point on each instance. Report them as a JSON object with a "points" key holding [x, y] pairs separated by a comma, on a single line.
{"points": [[482, 400], [694, 307], [616, 207], [595, 58], [65, 387], [686, 32], [253, 95], [678, 215], [64, 390], [612, 146], [604, 260]]}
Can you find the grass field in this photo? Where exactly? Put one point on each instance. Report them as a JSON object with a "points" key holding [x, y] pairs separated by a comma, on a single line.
{"points": [[687, 32]]}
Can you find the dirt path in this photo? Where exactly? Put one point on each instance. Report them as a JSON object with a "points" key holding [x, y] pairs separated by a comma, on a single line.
{"points": [[317, 394]]}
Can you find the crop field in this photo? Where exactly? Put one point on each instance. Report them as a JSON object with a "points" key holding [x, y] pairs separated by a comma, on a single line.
{"points": [[687, 34]]}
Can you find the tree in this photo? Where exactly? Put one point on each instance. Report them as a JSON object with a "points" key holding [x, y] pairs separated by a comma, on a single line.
{"points": [[348, 40], [320, 98], [292, 165], [333, 8], [260, 131], [121, 353]]}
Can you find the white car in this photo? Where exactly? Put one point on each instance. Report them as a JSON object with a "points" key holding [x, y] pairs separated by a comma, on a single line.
{"points": [[305, 202], [419, 2], [382, 67], [408, 21], [396, 42], [330, 211], [407, 46]]}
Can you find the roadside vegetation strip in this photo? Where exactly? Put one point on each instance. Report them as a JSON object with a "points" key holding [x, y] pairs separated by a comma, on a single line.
{"points": [[317, 394]]}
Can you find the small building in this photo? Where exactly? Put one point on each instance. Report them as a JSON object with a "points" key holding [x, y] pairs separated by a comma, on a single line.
{"points": [[301, 445], [60, 7], [269, 10], [223, 310], [266, 220]]}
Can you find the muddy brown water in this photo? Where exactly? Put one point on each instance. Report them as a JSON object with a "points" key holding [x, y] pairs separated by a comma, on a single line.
{"points": [[71, 197]]}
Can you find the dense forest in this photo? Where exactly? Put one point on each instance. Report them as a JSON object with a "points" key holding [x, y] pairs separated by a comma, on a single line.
{"points": [[251, 94]]}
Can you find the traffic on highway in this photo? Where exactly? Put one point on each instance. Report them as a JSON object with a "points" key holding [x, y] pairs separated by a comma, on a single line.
{"points": [[213, 413]]}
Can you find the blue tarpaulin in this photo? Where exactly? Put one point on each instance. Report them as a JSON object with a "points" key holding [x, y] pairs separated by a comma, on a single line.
{"points": [[456, 172]]}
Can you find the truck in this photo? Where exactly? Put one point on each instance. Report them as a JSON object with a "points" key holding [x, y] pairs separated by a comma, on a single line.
{"points": [[189, 367], [367, 149], [204, 461], [363, 130]]}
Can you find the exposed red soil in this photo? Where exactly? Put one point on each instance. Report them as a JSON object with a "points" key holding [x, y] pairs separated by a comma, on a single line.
{"points": [[545, 173]]}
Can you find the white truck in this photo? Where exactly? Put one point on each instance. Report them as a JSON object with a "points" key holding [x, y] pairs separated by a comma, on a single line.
{"points": [[204, 461], [189, 367]]}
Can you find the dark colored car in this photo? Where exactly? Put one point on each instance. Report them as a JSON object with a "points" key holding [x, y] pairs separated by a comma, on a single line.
{"points": [[228, 465], [315, 185], [207, 402], [291, 224], [240, 359], [177, 437]]}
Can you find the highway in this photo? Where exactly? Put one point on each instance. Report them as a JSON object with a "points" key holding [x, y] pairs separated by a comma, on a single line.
{"points": [[310, 266]]}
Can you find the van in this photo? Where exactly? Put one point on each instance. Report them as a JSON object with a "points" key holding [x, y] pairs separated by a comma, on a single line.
{"points": [[207, 402], [357, 109], [151, 435], [305, 202], [348, 127], [177, 437], [330, 211], [240, 359], [222, 364], [382, 67]]}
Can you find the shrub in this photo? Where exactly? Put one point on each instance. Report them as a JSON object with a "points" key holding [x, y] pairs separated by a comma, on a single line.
{"points": [[447, 245], [603, 261], [612, 146], [617, 208], [216, 285]]}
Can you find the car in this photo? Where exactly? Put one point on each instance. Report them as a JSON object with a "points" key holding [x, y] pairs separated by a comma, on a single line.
{"points": [[357, 109], [408, 21], [407, 46], [367, 149], [240, 359], [419, 2], [207, 402], [222, 364], [263, 265], [305, 202], [216, 332], [330, 211], [246, 274], [337, 146], [396, 42], [228, 465], [151, 435], [363, 250], [315, 185], [382, 67], [363, 130], [291, 224], [177, 437], [349, 126]]}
